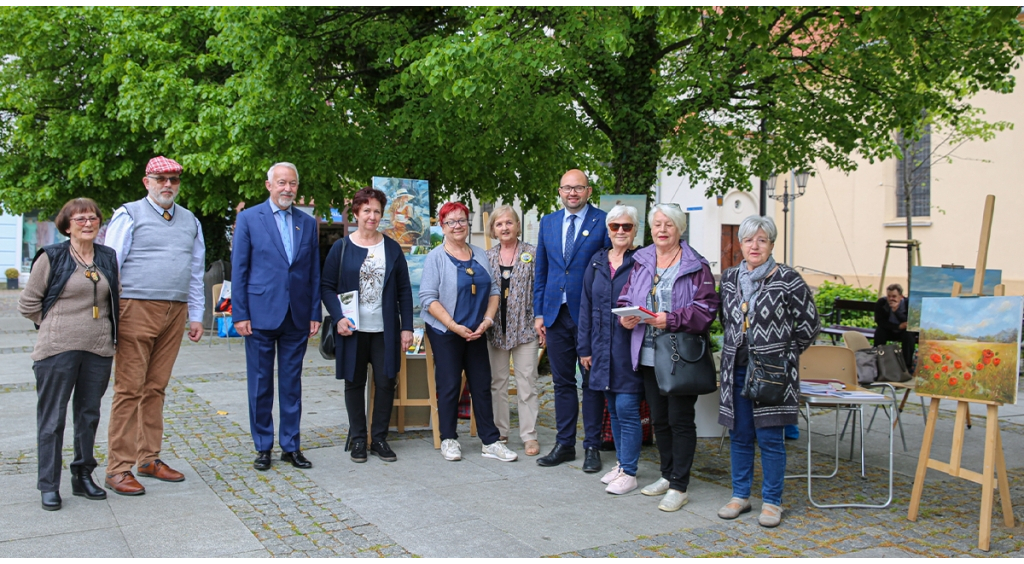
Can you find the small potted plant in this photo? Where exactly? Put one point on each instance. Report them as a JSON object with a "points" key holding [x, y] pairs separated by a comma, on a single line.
{"points": [[12, 278]]}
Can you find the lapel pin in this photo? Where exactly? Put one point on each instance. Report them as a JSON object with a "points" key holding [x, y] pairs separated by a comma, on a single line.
{"points": [[526, 257], [586, 233]]}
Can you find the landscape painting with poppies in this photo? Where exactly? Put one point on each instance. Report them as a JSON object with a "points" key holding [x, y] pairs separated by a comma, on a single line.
{"points": [[970, 348]]}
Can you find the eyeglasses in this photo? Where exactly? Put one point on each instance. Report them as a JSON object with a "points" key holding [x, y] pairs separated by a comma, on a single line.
{"points": [[761, 241], [282, 183], [85, 220], [175, 180], [577, 189], [627, 227], [452, 223]]}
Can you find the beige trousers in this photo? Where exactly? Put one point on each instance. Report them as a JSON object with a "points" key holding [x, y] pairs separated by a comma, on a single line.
{"points": [[149, 335], [524, 361]]}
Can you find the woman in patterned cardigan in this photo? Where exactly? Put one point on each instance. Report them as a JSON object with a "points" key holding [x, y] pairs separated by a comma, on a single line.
{"points": [[766, 308], [513, 335]]}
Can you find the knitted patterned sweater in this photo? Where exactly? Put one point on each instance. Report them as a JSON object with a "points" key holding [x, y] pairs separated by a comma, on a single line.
{"points": [[784, 311]]}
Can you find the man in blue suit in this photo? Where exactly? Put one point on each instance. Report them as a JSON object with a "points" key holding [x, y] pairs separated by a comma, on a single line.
{"points": [[568, 239], [275, 300]]}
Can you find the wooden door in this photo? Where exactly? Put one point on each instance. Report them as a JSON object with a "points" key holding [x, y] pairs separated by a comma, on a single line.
{"points": [[731, 253]]}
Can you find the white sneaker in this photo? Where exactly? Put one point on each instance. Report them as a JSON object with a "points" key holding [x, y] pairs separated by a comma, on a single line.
{"points": [[623, 483], [657, 488], [451, 449], [673, 500], [611, 475], [499, 451]]}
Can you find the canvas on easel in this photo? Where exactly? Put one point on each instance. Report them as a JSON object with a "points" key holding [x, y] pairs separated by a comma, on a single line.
{"points": [[969, 348], [994, 463]]}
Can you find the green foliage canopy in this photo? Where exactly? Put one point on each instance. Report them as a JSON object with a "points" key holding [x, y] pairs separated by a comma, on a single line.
{"points": [[494, 101]]}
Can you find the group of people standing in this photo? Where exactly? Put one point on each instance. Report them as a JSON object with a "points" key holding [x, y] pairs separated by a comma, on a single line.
{"points": [[481, 310]]}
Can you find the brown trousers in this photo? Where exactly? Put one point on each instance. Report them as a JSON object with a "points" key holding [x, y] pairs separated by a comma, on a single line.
{"points": [[148, 338]]}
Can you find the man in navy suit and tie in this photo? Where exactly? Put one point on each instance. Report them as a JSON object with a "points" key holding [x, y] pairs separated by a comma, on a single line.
{"points": [[567, 241], [275, 300]]}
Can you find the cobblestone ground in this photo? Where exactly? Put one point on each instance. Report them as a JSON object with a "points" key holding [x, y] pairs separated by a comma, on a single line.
{"points": [[292, 516]]}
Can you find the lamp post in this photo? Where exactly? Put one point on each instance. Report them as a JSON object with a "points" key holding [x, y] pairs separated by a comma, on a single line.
{"points": [[786, 197]]}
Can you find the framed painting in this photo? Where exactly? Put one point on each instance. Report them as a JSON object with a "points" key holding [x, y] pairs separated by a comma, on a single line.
{"points": [[970, 348], [407, 216], [937, 282]]}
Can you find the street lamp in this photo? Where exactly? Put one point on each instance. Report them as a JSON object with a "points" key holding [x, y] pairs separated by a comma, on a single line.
{"points": [[785, 197]]}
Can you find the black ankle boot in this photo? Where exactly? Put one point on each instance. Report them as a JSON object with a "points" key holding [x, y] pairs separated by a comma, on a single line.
{"points": [[83, 486], [51, 501]]}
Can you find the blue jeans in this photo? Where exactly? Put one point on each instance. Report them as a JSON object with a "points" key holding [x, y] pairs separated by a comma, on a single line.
{"points": [[741, 446], [624, 410]]}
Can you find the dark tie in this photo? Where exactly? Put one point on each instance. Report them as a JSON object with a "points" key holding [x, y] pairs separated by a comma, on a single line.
{"points": [[167, 215], [570, 238]]}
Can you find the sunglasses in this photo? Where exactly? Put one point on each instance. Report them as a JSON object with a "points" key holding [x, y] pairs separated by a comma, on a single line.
{"points": [[627, 227]]}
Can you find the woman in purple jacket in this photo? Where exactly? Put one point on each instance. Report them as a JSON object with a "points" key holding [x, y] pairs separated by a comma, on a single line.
{"points": [[673, 280]]}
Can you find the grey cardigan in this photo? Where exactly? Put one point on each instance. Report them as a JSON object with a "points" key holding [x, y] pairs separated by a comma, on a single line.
{"points": [[439, 283]]}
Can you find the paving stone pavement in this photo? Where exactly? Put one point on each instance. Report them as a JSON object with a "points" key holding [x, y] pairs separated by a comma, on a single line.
{"points": [[424, 506]]}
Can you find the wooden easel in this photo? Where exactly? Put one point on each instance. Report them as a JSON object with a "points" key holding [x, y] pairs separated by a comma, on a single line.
{"points": [[994, 463], [402, 399]]}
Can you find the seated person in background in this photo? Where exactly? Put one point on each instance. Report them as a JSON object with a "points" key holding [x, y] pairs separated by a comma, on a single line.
{"points": [[891, 321]]}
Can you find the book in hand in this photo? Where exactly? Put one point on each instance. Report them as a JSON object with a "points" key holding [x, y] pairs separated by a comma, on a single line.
{"points": [[350, 307], [639, 311]]}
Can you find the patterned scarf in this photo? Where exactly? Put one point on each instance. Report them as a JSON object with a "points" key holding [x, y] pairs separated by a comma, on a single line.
{"points": [[750, 281]]}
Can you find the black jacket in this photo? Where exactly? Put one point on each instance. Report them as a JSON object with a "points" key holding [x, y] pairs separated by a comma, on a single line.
{"points": [[62, 266], [396, 306]]}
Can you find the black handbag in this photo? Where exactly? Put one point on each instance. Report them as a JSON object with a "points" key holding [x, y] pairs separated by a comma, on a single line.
{"points": [[327, 327], [683, 364], [891, 366], [767, 375]]}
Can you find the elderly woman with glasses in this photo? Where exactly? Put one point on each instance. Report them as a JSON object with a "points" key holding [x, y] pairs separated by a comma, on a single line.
{"points": [[674, 281], [459, 298], [767, 308], [512, 336], [72, 295], [604, 346]]}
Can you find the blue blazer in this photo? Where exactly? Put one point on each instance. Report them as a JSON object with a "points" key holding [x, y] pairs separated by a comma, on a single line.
{"points": [[553, 276], [263, 285]]}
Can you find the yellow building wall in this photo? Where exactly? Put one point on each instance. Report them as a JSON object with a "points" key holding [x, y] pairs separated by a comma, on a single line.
{"points": [[843, 221]]}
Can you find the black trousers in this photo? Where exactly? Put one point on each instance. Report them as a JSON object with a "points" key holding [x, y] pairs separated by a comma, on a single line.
{"points": [[674, 430], [452, 355], [83, 376], [369, 351]]}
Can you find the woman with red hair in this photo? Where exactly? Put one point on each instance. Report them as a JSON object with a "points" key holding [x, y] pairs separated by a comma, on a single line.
{"points": [[459, 298]]}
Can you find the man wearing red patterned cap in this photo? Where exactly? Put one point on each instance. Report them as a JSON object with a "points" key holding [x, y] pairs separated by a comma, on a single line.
{"points": [[161, 253]]}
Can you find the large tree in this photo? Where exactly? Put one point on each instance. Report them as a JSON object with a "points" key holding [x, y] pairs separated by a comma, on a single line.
{"points": [[497, 101]]}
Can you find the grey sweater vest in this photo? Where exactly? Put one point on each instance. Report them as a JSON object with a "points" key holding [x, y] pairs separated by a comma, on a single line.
{"points": [[159, 264]]}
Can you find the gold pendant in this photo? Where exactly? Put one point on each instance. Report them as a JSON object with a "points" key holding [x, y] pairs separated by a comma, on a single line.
{"points": [[506, 293], [469, 270], [472, 288], [95, 312]]}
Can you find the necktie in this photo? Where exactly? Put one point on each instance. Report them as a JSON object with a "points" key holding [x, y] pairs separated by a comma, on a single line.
{"points": [[570, 238], [286, 236]]}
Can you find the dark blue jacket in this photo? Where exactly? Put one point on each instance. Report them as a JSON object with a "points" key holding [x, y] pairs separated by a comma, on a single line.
{"points": [[552, 275], [396, 303], [600, 336]]}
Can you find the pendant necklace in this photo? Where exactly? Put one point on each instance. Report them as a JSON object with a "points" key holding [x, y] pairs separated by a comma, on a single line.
{"points": [[507, 274], [657, 277], [468, 269], [93, 274]]}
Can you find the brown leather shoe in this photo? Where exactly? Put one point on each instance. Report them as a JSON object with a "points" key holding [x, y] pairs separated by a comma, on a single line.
{"points": [[124, 484], [157, 469]]}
